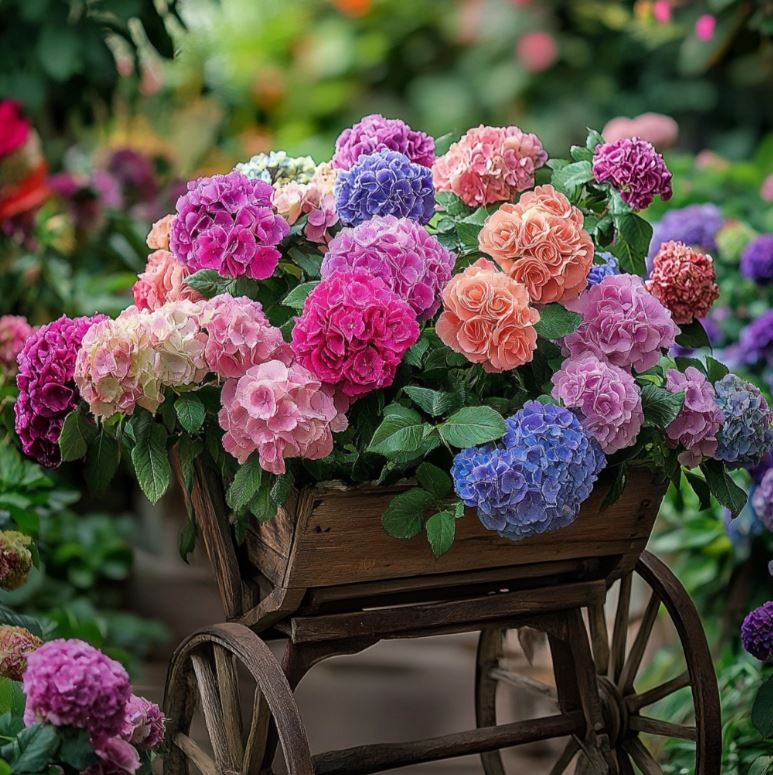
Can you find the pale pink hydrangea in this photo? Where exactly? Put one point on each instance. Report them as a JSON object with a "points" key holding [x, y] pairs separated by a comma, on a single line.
{"points": [[143, 723], [158, 237], [14, 332], [163, 280]]}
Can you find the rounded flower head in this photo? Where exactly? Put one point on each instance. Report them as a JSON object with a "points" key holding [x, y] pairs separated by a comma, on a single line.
{"points": [[757, 632], [277, 168], [662, 131], [756, 340], [694, 225], [281, 412], [746, 434], [14, 332], [158, 236], [489, 164], [47, 391], [376, 133], [71, 684], [695, 427], [622, 323], [163, 280], [487, 317], [15, 644], [541, 243], [732, 238], [15, 559], [402, 253], [762, 500], [757, 259], [599, 271], [605, 397], [239, 336], [143, 723], [384, 183], [226, 223], [354, 332], [635, 169]]}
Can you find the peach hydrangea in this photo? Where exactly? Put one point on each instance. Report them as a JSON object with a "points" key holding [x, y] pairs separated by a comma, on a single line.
{"points": [[158, 237], [163, 280], [486, 317], [541, 243]]}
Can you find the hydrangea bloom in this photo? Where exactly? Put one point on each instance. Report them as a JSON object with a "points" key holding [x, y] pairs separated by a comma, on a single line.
{"points": [[537, 482], [746, 434], [226, 223], [116, 757], [541, 243], [684, 280], [143, 723], [694, 225], [606, 398], [757, 632], [163, 280], [281, 412], [158, 236], [635, 169], [354, 332], [756, 340], [733, 237], [14, 332], [376, 133], [277, 168], [762, 500], [402, 253], [487, 317], [622, 323], [662, 131], [489, 164], [15, 644], [695, 427], [47, 392], [384, 183], [71, 684], [239, 336], [599, 271], [15, 559], [757, 259]]}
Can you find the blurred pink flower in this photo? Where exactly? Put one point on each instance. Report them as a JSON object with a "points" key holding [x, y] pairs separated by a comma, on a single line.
{"points": [[536, 51], [766, 192], [660, 130], [661, 10], [705, 27]]}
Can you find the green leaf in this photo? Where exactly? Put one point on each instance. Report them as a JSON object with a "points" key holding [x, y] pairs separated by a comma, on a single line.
{"points": [[416, 353], [246, 483], [208, 282], [151, 462], [76, 433], [594, 138], [282, 487], [12, 698], [261, 506], [660, 406], [444, 142], [762, 709], [634, 235], [76, 748], [434, 480], [309, 262], [473, 425], [297, 296], [616, 490], [440, 528], [8, 616], [187, 540], [701, 488], [581, 153], [402, 518], [723, 488], [571, 177], [35, 747], [556, 321], [59, 51], [188, 450], [715, 370], [102, 461], [433, 402], [190, 412], [693, 335], [401, 430]]}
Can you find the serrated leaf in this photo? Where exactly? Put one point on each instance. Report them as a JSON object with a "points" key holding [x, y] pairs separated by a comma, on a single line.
{"points": [[433, 402], [634, 235], [459, 510], [76, 434], [440, 528], [282, 487], [76, 748], [715, 370], [660, 406], [188, 450], [572, 176], [151, 462], [246, 483], [434, 480], [762, 709], [416, 352], [594, 138], [12, 698], [34, 748], [297, 296], [471, 426], [190, 412], [723, 488], [8, 616], [402, 518], [693, 335], [401, 431], [261, 507], [701, 489], [102, 461], [208, 282], [556, 321]]}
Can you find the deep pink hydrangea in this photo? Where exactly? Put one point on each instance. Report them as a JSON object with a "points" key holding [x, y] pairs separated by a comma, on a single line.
{"points": [[606, 398], [622, 323], [354, 332], [226, 223], [69, 683], [14, 332], [239, 336], [281, 412], [684, 280], [402, 253], [163, 280], [143, 723], [489, 164], [695, 427], [376, 133], [47, 391]]}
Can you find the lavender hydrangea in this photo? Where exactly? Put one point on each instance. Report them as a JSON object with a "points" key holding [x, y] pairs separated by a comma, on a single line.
{"points": [[745, 434], [695, 225], [402, 253], [755, 343], [757, 259], [599, 271], [385, 183], [537, 481], [757, 632], [762, 500]]}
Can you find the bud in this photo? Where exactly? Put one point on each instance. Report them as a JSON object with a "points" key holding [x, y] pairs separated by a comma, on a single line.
{"points": [[15, 644], [15, 559]]}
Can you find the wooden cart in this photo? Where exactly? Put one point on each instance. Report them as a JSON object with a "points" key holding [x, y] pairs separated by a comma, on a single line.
{"points": [[326, 579]]}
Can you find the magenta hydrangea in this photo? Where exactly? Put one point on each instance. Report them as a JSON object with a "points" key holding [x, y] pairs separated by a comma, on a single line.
{"points": [[757, 632], [622, 323], [14, 332], [47, 391], [376, 133], [143, 723], [402, 253], [69, 683], [354, 332], [695, 427], [605, 397], [226, 223]]}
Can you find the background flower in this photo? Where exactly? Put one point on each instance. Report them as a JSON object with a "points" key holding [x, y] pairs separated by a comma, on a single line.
{"points": [[755, 343], [757, 259], [660, 130], [15, 644], [695, 225], [277, 168], [762, 500], [15, 559], [14, 332]]}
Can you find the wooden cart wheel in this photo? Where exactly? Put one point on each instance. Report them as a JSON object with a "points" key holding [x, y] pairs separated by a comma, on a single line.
{"points": [[208, 673], [636, 735]]}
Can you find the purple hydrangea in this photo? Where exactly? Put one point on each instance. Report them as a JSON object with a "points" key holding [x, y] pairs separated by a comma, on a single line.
{"points": [[745, 434], [384, 183], [69, 683], [402, 253], [762, 500], [695, 225], [757, 259], [226, 223], [635, 169], [376, 133], [47, 391], [599, 271], [755, 344], [537, 481], [757, 632]]}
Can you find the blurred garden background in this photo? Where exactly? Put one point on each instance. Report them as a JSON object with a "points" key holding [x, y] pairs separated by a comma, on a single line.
{"points": [[118, 102]]}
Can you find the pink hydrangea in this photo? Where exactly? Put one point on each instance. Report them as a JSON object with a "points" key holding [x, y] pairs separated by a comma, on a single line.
{"points": [[158, 236], [14, 332], [684, 280], [15, 644], [606, 398], [402, 253], [116, 757], [239, 336], [69, 683], [314, 199], [144, 723], [695, 427], [354, 332], [281, 412], [489, 164], [622, 323], [163, 280]]}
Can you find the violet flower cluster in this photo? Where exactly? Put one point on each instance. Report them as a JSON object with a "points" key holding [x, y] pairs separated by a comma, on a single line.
{"points": [[762, 500], [757, 632], [757, 259], [695, 225], [599, 271], [755, 344]]}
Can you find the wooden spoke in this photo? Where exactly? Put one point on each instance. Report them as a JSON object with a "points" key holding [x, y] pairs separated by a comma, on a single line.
{"points": [[620, 631], [657, 693], [597, 619], [518, 681], [228, 688], [624, 763], [213, 713], [256, 740], [194, 752], [632, 663], [642, 757], [569, 752], [653, 726]]}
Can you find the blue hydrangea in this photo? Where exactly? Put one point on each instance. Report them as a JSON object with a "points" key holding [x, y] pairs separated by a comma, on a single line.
{"points": [[537, 479], [695, 225], [384, 183], [745, 434], [599, 271], [757, 259]]}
